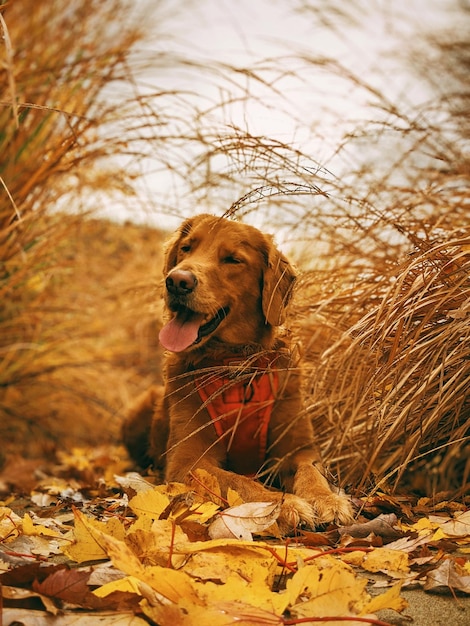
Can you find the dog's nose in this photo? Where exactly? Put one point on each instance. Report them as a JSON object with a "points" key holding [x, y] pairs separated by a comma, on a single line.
{"points": [[180, 282]]}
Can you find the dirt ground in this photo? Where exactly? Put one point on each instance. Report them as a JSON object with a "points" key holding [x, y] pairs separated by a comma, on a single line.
{"points": [[426, 609]]}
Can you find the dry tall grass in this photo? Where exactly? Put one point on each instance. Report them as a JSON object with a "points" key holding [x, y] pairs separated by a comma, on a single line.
{"points": [[394, 381], [383, 304], [58, 62], [383, 308]]}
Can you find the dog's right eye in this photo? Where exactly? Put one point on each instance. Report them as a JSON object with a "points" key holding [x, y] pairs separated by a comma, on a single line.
{"points": [[231, 260]]}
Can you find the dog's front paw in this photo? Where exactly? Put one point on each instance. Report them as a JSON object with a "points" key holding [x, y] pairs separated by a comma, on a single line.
{"points": [[333, 507], [295, 512]]}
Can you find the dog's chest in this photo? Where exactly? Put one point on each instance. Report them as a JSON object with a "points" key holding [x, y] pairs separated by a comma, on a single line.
{"points": [[240, 400]]}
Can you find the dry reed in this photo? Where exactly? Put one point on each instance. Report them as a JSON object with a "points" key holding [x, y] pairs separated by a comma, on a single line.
{"points": [[58, 63], [382, 306]]}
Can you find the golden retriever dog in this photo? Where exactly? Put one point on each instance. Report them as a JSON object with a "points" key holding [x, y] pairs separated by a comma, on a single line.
{"points": [[231, 403]]}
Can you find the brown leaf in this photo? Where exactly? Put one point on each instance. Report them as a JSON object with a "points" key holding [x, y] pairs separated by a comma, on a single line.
{"points": [[380, 503], [381, 526], [71, 586], [313, 539], [67, 585], [24, 575], [449, 576]]}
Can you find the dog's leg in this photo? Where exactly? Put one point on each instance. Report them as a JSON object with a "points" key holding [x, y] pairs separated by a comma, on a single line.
{"points": [[299, 462], [294, 510], [145, 429], [310, 484]]}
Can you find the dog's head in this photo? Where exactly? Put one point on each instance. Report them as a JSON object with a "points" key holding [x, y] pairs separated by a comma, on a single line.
{"points": [[223, 280]]}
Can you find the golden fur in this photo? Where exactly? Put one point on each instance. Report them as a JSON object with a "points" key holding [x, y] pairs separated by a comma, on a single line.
{"points": [[225, 272]]}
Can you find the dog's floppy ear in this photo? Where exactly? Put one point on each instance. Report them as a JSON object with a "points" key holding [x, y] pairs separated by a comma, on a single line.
{"points": [[172, 245], [278, 282]]}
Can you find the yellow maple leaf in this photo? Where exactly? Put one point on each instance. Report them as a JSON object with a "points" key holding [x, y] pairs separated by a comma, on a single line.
{"points": [[127, 584], [30, 528], [353, 558], [423, 524], [206, 485], [222, 558], [87, 546], [391, 599], [233, 497], [384, 559], [252, 593], [326, 590], [173, 500], [155, 546], [149, 504], [201, 511], [10, 524], [216, 614], [168, 583]]}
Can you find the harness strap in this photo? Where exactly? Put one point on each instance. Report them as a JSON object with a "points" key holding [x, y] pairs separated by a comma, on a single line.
{"points": [[240, 402]]}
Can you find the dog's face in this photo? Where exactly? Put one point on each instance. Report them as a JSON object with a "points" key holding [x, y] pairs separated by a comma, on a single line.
{"points": [[223, 280]]}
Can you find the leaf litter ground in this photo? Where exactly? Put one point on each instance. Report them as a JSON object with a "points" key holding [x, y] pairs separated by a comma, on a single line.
{"points": [[83, 541]]}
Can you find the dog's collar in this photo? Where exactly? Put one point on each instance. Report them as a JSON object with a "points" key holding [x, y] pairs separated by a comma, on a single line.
{"points": [[239, 395]]}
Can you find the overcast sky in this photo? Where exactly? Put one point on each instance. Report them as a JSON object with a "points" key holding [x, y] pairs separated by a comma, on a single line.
{"points": [[312, 109]]}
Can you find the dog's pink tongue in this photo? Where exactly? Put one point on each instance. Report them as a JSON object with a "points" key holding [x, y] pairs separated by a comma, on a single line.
{"points": [[181, 331]]}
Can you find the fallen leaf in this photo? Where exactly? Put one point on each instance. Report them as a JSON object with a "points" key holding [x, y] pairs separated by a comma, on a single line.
{"points": [[206, 486], [459, 526], [449, 576], [39, 618], [149, 504], [23, 548], [156, 547], [233, 497], [408, 544], [246, 595], [10, 524], [87, 546], [31, 528], [241, 521], [326, 589], [134, 481], [103, 573], [24, 575], [386, 560], [424, 524], [215, 614], [221, 562], [27, 599], [391, 599], [169, 583], [69, 586], [189, 506], [381, 526], [125, 584]]}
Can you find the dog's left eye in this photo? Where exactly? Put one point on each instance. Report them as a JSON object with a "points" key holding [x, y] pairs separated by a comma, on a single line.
{"points": [[231, 260]]}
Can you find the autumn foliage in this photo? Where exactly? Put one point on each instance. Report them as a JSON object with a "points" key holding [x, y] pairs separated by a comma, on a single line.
{"points": [[382, 312], [105, 544]]}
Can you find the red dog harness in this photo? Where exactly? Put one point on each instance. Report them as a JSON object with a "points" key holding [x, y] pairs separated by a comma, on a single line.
{"points": [[240, 399]]}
